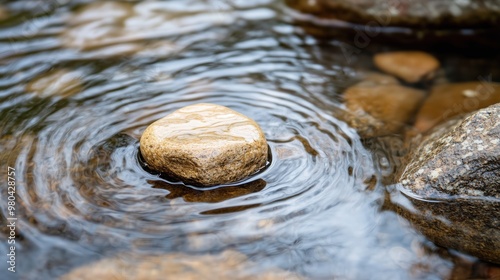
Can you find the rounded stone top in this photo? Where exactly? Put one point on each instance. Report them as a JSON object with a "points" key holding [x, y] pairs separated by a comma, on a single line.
{"points": [[206, 124], [411, 66], [205, 144]]}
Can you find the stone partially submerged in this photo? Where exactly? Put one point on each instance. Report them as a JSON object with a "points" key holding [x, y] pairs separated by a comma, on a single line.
{"points": [[205, 144], [461, 160], [453, 181]]}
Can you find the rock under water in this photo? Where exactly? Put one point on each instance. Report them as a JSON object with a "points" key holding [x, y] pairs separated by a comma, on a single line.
{"points": [[426, 13], [227, 265], [379, 105], [411, 66], [450, 100]]}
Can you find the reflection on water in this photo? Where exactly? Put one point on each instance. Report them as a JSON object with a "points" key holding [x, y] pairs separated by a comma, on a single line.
{"points": [[80, 82]]}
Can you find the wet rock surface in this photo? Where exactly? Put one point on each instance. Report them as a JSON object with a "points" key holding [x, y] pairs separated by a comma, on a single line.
{"points": [[379, 105], [411, 66], [458, 167], [205, 144], [449, 100], [227, 265], [463, 159], [427, 13]]}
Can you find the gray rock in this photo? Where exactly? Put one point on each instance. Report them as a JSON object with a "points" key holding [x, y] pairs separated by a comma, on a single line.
{"points": [[463, 159], [452, 183]]}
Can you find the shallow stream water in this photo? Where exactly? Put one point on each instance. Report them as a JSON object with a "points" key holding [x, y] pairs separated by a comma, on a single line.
{"points": [[80, 81]]}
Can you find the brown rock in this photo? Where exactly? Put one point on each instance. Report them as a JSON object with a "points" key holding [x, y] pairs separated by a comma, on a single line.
{"points": [[379, 109], [449, 100], [205, 144], [376, 79], [411, 66], [225, 266]]}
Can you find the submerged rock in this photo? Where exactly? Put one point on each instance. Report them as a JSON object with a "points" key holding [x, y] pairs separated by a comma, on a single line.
{"points": [[148, 28], [458, 167], [424, 13], [449, 100], [61, 82], [411, 66], [227, 265], [379, 105], [205, 144], [4, 13]]}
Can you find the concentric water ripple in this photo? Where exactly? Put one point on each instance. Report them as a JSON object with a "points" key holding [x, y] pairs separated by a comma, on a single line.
{"points": [[83, 193]]}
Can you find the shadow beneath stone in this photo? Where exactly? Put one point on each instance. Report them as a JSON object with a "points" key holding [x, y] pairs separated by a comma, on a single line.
{"points": [[174, 181], [219, 194]]}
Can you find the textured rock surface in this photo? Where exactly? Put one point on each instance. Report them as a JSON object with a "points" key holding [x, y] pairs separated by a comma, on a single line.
{"points": [[227, 265], [449, 100], [411, 66], [205, 144], [380, 106], [461, 160], [424, 13], [459, 164]]}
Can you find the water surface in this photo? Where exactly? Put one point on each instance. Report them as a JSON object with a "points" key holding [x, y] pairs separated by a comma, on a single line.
{"points": [[80, 82]]}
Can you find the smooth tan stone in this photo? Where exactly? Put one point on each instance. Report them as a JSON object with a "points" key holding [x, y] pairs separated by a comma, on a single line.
{"points": [[61, 82], [449, 100], [380, 109], [205, 144], [411, 66]]}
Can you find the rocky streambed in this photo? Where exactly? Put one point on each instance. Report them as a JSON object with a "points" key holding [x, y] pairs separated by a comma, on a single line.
{"points": [[382, 154]]}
